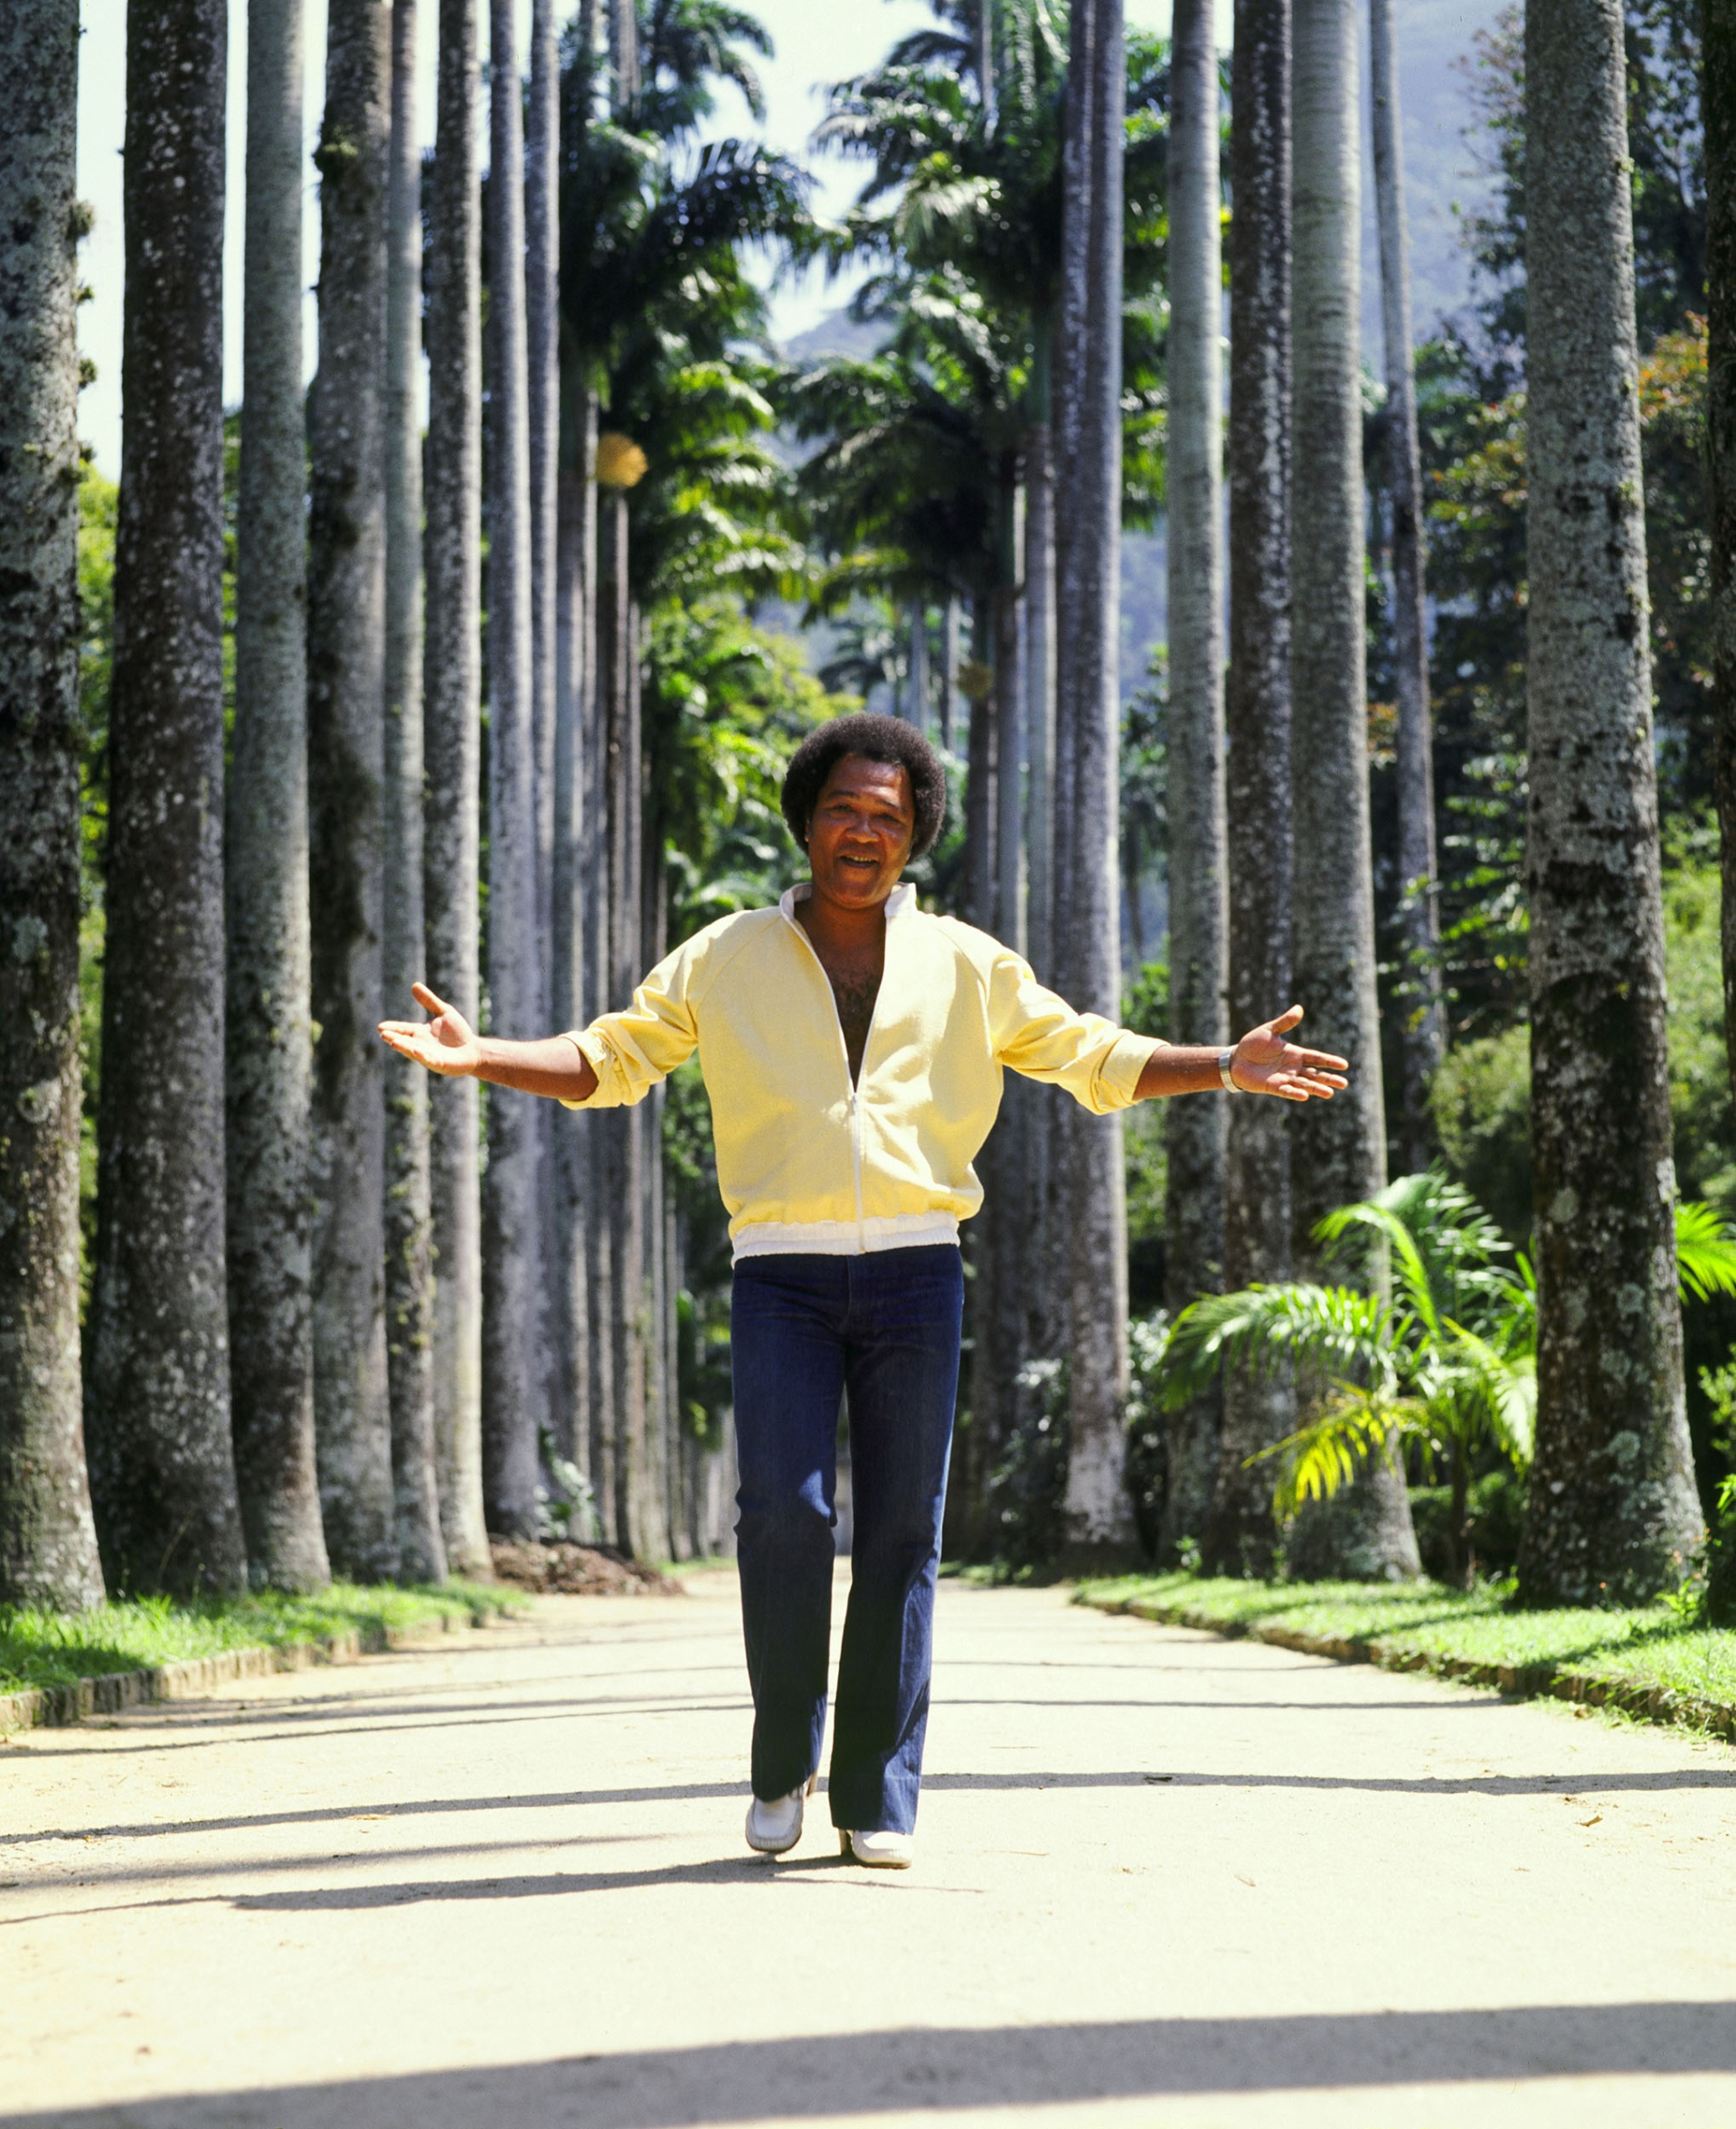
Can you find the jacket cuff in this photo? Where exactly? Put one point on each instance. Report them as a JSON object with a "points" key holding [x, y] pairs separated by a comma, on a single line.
{"points": [[601, 1060], [1119, 1076]]}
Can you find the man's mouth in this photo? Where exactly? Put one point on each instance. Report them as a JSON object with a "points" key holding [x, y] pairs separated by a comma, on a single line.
{"points": [[871, 864]]}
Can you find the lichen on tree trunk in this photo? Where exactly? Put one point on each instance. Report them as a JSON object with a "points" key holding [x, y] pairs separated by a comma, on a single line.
{"points": [[1337, 1148], [48, 1545], [452, 739], [514, 1375], [1612, 1510], [270, 1034], [347, 765], [1198, 885], [408, 1237], [1240, 1537], [1098, 1513], [156, 1389]]}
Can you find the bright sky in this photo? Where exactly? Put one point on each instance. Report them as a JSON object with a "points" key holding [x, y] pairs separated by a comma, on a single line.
{"points": [[815, 44]]}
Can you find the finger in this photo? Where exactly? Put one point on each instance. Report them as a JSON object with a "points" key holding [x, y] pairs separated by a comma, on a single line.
{"points": [[388, 1028], [425, 998], [1284, 1022], [1323, 1060]]}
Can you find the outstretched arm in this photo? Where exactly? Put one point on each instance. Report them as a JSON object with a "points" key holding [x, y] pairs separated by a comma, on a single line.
{"points": [[1263, 1063], [446, 1044]]}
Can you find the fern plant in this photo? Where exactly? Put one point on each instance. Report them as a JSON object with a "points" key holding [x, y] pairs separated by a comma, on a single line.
{"points": [[1440, 1357]]}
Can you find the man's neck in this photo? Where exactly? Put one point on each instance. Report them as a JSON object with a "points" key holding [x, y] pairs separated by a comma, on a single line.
{"points": [[837, 929]]}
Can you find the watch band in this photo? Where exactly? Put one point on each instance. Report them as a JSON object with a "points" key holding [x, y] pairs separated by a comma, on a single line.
{"points": [[1226, 1057]]}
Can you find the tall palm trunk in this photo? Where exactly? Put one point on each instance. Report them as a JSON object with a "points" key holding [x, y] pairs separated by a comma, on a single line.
{"points": [[1198, 868], [1718, 104], [346, 591], [1240, 1535], [979, 772], [1422, 1035], [48, 1544], [1613, 1511], [157, 1390], [917, 710], [514, 1379], [1044, 1308], [410, 1248], [573, 1135], [1338, 1151], [270, 1032], [452, 739], [626, 1189], [1099, 1513], [541, 252]]}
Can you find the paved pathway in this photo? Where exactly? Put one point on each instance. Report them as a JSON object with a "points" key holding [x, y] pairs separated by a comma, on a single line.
{"points": [[1161, 1879]]}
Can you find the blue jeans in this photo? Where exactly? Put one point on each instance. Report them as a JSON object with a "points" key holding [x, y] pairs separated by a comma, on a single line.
{"points": [[803, 1329]]}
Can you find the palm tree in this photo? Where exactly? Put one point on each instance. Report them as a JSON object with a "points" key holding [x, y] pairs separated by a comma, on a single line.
{"points": [[48, 1545], [1239, 1537], [156, 1390], [408, 1237], [347, 590], [1198, 883], [270, 1032], [1098, 1511], [452, 743], [1613, 1508], [541, 318], [1421, 1027], [514, 1372], [1449, 1371], [1339, 1155]]}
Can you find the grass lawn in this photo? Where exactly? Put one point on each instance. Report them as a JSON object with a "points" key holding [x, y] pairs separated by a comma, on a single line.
{"points": [[1649, 1661], [51, 1648]]}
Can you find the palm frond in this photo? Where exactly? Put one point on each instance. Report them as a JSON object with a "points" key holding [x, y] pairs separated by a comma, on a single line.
{"points": [[1336, 1329], [1705, 1252]]}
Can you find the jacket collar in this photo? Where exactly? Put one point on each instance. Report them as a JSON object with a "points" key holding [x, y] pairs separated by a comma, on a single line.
{"points": [[899, 903]]}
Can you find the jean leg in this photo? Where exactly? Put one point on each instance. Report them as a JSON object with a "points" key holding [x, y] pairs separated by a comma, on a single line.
{"points": [[787, 1356], [903, 1370]]}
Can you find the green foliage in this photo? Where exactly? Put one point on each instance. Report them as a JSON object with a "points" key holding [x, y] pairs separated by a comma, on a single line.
{"points": [[1649, 1659], [1493, 1517], [1147, 1456], [53, 1648], [1481, 1106], [98, 502], [1027, 1488]]}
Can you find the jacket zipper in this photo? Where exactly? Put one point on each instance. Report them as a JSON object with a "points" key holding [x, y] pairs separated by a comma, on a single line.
{"points": [[843, 1050]]}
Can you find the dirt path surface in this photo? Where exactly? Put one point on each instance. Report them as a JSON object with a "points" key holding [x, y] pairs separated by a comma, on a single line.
{"points": [[1161, 1879]]}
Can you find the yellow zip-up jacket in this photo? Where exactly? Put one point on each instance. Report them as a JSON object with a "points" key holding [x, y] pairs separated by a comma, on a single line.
{"points": [[804, 1160]]}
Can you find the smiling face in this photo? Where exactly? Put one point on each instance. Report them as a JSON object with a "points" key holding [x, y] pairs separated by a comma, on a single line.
{"points": [[859, 838]]}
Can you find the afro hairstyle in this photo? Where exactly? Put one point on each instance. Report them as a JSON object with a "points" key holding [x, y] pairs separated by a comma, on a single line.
{"points": [[875, 739]]}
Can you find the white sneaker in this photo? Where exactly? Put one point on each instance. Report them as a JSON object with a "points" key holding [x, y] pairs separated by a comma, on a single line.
{"points": [[775, 1828], [878, 1851]]}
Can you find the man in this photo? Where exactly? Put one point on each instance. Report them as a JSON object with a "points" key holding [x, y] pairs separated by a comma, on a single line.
{"points": [[852, 1048]]}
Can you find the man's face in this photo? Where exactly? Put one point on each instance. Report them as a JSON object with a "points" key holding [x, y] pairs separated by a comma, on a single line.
{"points": [[859, 839]]}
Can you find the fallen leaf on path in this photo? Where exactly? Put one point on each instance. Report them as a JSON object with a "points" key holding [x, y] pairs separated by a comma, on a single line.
{"points": [[1595, 1822], [1241, 1880]]}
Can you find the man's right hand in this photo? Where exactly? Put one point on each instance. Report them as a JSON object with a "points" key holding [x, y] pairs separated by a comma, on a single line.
{"points": [[445, 1044]]}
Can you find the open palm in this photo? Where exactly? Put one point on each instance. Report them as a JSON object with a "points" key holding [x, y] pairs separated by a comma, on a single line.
{"points": [[1265, 1063], [445, 1044]]}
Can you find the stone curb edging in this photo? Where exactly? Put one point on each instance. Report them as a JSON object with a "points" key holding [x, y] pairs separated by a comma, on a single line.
{"points": [[55, 1706], [1529, 1681]]}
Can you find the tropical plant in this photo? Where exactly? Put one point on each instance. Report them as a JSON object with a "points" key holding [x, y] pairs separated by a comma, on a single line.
{"points": [[1444, 1365]]}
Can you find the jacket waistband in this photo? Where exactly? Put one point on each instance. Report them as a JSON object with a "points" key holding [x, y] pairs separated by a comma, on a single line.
{"points": [[844, 1238]]}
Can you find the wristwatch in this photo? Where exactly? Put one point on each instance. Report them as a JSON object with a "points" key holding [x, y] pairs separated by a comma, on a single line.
{"points": [[1226, 1057]]}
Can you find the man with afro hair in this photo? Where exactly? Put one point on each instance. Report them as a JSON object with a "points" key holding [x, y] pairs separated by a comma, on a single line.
{"points": [[853, 1046]]}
